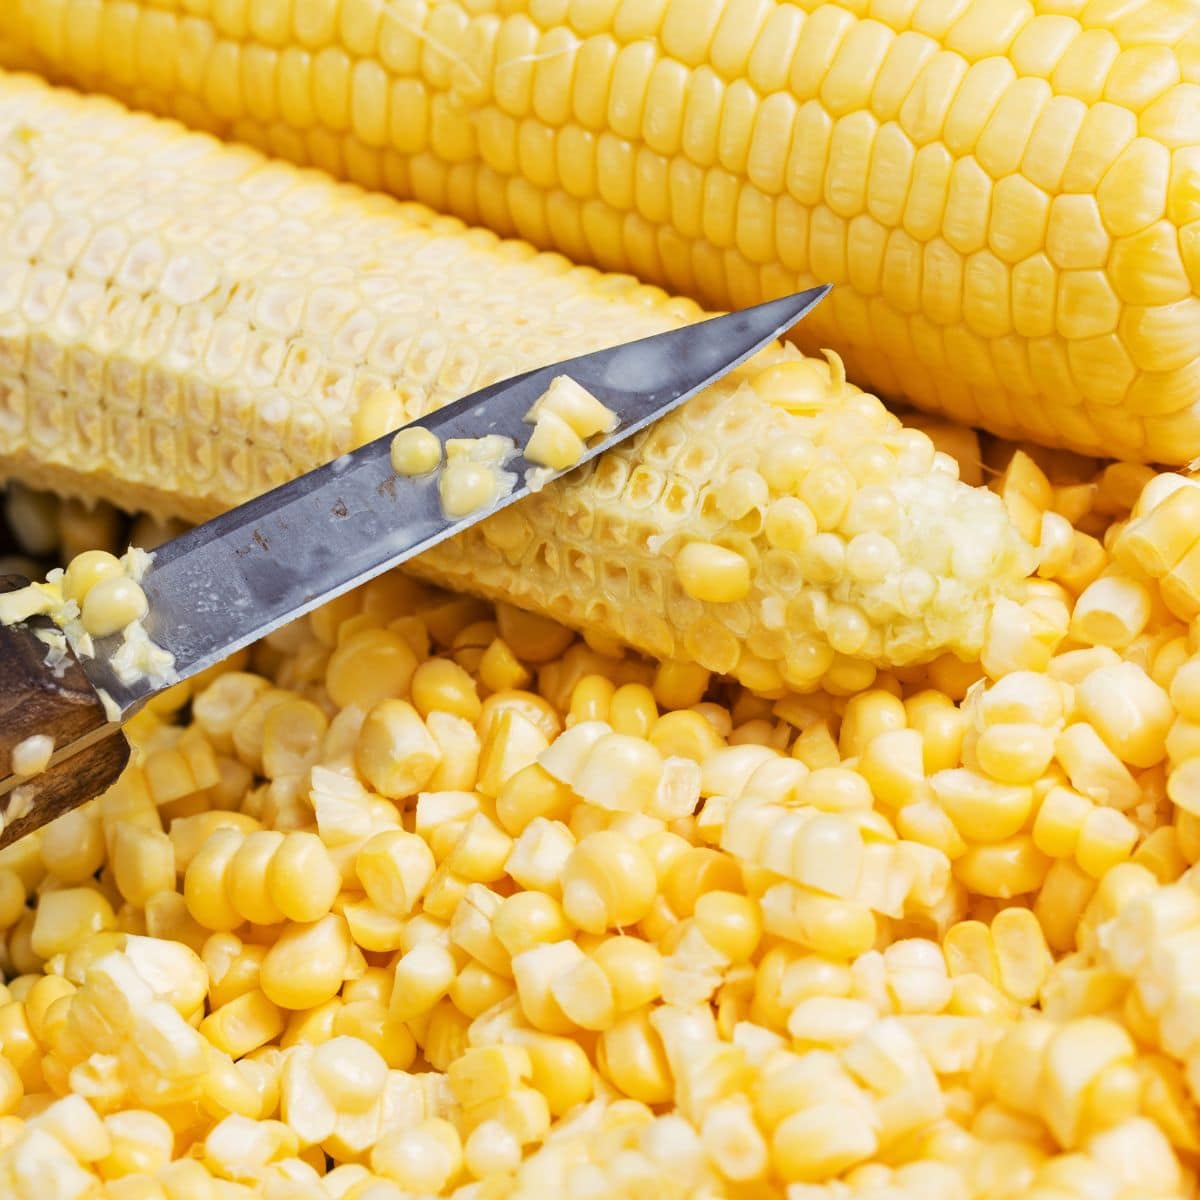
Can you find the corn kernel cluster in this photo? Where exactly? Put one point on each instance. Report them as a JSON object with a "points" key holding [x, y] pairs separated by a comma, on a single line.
{"points": [[423, 896]]}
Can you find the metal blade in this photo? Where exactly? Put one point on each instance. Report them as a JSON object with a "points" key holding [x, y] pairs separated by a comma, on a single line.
{"points": [[231, 581]]}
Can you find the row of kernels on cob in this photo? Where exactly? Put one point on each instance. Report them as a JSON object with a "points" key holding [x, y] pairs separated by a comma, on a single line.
{"points": [[1004, 198]]}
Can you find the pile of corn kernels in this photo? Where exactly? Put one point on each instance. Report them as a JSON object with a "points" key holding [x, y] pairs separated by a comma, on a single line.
{"points": [[423, 897]]}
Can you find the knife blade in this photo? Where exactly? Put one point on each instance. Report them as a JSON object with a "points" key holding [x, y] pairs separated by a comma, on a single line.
{"points": [[234, 579]]}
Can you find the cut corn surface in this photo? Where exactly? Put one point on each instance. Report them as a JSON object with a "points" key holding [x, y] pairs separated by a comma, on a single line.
{"points": [[188, 324], [1004, 192], [422, 896]]}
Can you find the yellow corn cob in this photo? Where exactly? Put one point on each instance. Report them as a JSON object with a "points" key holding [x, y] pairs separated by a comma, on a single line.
{"points": [[184, 324], [1008, 192]]}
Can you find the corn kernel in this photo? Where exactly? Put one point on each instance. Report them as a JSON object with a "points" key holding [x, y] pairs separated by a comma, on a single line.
{"points": [[712, 573], [731, 923], [415, 451], [423, 1159], [394, 869], [1003, 869], [575, 406], [306, 965], [491, 1149], [394, 751], [85, 570], [982, 809], [66, 917], [1129, 711], [369, 667], [112, 603]]}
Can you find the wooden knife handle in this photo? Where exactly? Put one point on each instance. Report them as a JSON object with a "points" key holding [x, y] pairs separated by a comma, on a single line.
{"points": [[61, 703]]}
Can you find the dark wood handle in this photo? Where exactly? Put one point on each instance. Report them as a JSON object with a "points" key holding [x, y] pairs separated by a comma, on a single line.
{"points": [[89, 750]]}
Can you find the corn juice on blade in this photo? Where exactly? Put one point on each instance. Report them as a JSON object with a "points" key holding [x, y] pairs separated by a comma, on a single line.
{"points": [[235, 579], [186, 324]]}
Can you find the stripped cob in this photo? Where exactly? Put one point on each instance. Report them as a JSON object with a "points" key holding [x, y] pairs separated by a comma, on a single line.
{"points": [[185, 324], [1006, 191]]}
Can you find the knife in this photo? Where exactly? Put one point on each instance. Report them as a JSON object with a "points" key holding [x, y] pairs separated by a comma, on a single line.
{"points": [[232, 580]]}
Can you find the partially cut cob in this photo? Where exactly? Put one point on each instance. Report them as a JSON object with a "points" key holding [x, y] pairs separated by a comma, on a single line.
{"points": [[1007, 192], [184, 324]]}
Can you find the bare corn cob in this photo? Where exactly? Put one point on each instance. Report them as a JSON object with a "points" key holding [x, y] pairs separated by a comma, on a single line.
{"points": [[1005, 190], [185, 324]]}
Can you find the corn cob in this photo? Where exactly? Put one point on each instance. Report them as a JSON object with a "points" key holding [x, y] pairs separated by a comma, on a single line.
{"points": [[1005, 191], [186, 324]]}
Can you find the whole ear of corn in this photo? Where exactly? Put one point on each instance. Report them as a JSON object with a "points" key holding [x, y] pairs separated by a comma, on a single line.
{"points": [[1006, 192], [184, 324]]}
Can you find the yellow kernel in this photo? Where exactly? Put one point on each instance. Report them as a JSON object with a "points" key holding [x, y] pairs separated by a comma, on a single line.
{"points": [[306, 965], [982, 809], [790, 524], [394, 868], [742, 493], [1107, 837], [141, 1143], [422, 977], [112, 603], [381, 412], [527, 919], [242, 1025], [560, 1069], [1129, 711], [1003, 869], [692, 872], [590, 699], [1185, 689], [553, 443], [491, 1149], [72, 846], [500, 669], [712, 573], [1111, 612], [440, 684], [801, 386], [531, 707], [481, 850], [608, 882], [868, 715], [530, 793], [731, 923], [785, 462], [871, 557], [631, 1057], [86, 570], [415, 451], [633, 968], [835, 790], [423, 1158], [684, 733], [370, 666], [394, 750], [632, 710], [679, 684], [66, 916], [573, 404], [465, 486], [350, 1072], [143, 862], [1015, 754], [823, 1139], [619, 773]]}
